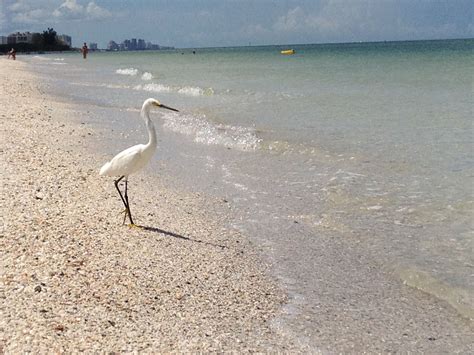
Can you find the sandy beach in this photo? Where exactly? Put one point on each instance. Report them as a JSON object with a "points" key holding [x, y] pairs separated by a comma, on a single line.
{"points": [[73, 278]]}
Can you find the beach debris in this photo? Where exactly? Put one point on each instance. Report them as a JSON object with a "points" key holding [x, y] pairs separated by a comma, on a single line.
{"points": [[59, 328]]}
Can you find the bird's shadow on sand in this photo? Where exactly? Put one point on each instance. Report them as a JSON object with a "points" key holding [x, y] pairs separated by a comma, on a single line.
{"points": [[179, 236]]}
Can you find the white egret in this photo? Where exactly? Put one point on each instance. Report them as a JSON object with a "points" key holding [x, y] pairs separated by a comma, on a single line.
{"points": [[134, 158]]}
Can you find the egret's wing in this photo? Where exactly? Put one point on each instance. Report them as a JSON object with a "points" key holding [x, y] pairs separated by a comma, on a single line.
{"points": [[125, 162]]}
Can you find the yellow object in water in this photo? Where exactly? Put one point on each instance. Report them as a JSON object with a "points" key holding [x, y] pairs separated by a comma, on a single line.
{"points": [[288, 51]]}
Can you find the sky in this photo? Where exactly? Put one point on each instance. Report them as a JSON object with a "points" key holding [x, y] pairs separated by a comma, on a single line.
{"points": [[215, 23]]}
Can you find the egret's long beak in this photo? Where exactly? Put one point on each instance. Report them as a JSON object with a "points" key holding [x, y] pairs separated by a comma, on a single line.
{"points": [[168, 108]]}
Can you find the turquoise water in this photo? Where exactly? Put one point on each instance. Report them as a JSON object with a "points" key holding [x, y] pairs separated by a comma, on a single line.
{"points": [[367, 143]]}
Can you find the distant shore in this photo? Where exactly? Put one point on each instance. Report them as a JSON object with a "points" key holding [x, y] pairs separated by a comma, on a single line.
{"points": [[75, 279]]}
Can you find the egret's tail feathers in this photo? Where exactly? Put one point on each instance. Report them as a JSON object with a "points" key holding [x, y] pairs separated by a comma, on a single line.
{"points": [[104, 169]]}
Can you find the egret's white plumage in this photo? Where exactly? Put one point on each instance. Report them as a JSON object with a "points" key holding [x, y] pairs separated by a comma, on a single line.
{"points": [[134, 158]]}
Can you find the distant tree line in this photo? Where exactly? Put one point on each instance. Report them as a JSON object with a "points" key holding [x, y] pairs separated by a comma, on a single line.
{"points": [[46, 41]]}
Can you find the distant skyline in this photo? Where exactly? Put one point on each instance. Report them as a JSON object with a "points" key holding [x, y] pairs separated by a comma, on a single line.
{"points": [[208, 23]]}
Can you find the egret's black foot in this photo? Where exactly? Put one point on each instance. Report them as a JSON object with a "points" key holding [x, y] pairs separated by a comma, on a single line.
{"points": [[125, 214]]}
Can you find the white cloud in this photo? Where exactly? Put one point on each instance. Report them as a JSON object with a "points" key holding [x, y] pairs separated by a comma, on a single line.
{"points": [[52, 11], [294, 20], [20, 5], [339, 20], [72, 10], [2, 17], [27, 12], [334, 18], [35, 16], [96, 12], [255, 31]]}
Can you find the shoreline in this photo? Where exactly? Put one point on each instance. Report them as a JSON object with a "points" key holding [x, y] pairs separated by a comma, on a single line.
{"points": [[360, 307], [75, 279]]}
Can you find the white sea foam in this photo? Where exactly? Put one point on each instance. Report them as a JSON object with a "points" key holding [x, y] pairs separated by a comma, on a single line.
{"points": [[205, 132], [186, 90], [39, 57], [127, 71], [195, 91], [147, 76], [191, 91], [110, 86], [153, 87], [115, 86]]}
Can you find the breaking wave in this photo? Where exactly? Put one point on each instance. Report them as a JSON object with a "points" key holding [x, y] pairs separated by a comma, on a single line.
{"points": [[127, 71], [153, 87], [186, 90], [205, 132], [195, 91], [147, 76], [39, 57]]}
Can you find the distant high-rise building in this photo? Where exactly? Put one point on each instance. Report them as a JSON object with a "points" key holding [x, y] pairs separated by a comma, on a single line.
{"points": [[112, 46], [3, 40], [19, 37], [132, 45], [93, 46], [127, 45], [65, 39], [151, 46]]}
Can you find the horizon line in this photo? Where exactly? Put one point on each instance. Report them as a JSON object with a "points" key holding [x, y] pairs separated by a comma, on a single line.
{"points": [[331, 43]]}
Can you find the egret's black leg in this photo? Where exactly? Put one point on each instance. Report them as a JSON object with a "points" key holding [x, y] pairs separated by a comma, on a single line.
{"points": [[116, 182], [128, 204]]}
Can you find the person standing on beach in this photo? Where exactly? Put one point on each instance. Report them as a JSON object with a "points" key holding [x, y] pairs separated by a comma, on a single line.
{"points": [[12, 53], [84, 50]]}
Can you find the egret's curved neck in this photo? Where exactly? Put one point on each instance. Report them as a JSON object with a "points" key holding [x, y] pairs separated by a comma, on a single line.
{"points": [[145, 113]]}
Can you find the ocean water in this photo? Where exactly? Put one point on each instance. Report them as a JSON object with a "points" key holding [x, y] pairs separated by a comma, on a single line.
{"points": [[366, 145]]}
